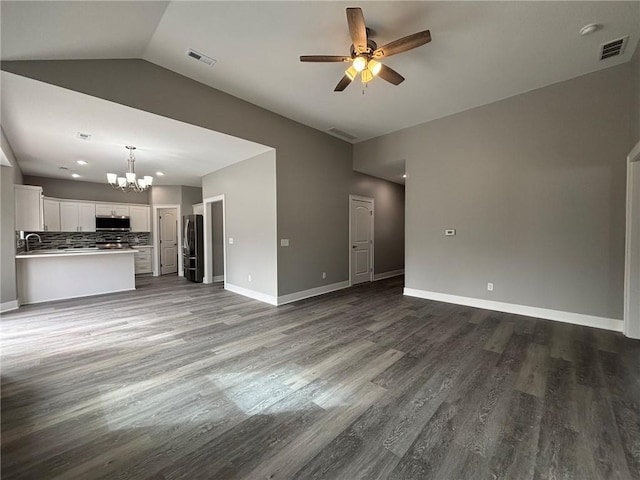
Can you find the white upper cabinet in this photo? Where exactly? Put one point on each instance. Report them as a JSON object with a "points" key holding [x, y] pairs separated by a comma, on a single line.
{"points": [[69, 217], [77, 217], [140, 219], [112, 209], [51, 215], [87, 217], [29, 208]]}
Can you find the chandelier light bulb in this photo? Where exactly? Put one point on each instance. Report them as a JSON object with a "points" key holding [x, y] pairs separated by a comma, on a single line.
{"points": [[112, 178], [367, 76], [351, 72]]}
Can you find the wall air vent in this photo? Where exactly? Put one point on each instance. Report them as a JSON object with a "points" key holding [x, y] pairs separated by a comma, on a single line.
{"points": [[83, 136], [200, 57], [613, 48], [339, 133]]}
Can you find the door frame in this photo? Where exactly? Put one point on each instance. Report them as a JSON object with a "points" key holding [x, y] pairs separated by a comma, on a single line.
{"points": [[632, 247], [156, 238], [208, 238], [373, 242]]}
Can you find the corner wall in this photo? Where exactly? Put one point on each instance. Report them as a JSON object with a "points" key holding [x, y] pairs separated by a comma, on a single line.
{"points": [[8, 177], [249, 188], [534, 186]]}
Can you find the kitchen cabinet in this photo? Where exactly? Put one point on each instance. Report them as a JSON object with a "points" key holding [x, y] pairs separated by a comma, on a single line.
{"points": [[51, 215], [77, 217], [29, 208], [112, 209], [140, 218], [87, 217], [142, 259]]}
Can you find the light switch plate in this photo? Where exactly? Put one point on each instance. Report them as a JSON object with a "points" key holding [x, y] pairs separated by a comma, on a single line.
{"points": [[230, 240], [284, 242], [450, 233]]}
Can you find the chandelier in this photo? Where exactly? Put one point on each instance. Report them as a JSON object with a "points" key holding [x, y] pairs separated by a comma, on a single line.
{"points": [[129, 183]]}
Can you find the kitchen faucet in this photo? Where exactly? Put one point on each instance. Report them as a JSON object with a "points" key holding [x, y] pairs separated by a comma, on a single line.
{"points": [[26, 239]]}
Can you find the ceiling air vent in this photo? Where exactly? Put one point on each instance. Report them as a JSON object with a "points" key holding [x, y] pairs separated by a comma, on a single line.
{"points": [[613, 48], [339, 133], [200, 57]]}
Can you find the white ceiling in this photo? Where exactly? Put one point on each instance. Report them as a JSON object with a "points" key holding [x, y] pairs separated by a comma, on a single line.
{"points": [[481, 51], [41, 122]]}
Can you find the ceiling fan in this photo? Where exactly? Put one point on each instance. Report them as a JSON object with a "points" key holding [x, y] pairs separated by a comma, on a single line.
{"points": [[365, 53]]}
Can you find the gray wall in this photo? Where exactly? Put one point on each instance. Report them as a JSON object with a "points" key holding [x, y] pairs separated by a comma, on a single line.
{"points": [[75, 190], [634, 65], [534, 185], [166, 195], [249, 188], [218, 238], [314, 169], [189, 196], [8, 177]]}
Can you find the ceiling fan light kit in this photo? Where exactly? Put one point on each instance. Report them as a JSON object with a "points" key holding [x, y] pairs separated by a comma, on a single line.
{"points": [[365, 53]]}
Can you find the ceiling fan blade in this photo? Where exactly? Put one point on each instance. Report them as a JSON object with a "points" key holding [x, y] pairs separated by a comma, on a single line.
{"points": [[342, 84], [403, 44], [357, 29], [390, 75], [324, 58]]}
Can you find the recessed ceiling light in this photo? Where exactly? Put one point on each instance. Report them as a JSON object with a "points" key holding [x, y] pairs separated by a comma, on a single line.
{"points": [[160, 174], [589, 29], [75, 175], [82, 162], [404, 176]]}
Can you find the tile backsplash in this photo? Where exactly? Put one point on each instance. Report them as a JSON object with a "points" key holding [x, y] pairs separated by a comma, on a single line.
{"points": [[52, 240]]}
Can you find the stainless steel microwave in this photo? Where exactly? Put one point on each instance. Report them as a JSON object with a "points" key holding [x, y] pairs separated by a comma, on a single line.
{"points": [[106, 223]]}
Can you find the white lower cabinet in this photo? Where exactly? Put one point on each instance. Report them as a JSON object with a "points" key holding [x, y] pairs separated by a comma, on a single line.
{"points": [[143, 259]]}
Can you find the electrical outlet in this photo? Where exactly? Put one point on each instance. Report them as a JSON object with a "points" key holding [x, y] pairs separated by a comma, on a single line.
{"points": [[324, 274], [249, 277], [284, 242], [490, 287]]}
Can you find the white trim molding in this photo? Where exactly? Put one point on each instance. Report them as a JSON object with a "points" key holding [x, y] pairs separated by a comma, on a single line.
{"points": [[389, 274], [8, 306], [263, 297], [312, 292], [536, 312], [208, 239]]}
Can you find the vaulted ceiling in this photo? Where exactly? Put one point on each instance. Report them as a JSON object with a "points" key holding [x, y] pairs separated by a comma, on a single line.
{"points": [[481, 51]]}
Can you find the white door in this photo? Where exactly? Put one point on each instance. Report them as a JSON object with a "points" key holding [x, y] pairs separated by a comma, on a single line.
{"points": [[87, 217], [69, 217], [361, 241], [168, 226]]}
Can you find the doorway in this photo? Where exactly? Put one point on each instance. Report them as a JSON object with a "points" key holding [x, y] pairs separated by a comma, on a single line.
{"points": [[632, 255], [215, 246], [361, 247], [168, 236]]}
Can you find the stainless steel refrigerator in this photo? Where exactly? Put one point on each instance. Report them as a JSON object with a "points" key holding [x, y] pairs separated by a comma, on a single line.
{"points": [[193, 248]]}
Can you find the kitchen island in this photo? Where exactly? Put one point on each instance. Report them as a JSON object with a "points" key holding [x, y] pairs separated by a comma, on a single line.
{"points": [[47, 275]]}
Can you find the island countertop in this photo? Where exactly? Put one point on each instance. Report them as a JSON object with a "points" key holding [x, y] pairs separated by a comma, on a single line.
{"points": [[73, 273], [72, 252]]}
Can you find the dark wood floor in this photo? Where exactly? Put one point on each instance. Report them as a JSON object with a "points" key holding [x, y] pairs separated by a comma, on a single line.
{"points": [[178, 380]]}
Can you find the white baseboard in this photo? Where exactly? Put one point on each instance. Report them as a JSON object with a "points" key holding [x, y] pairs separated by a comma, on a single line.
{"points": [[218, 278], [389, 274], [8, 306], [312, 292], [557, 315], [57, 299], [263, 297]]}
